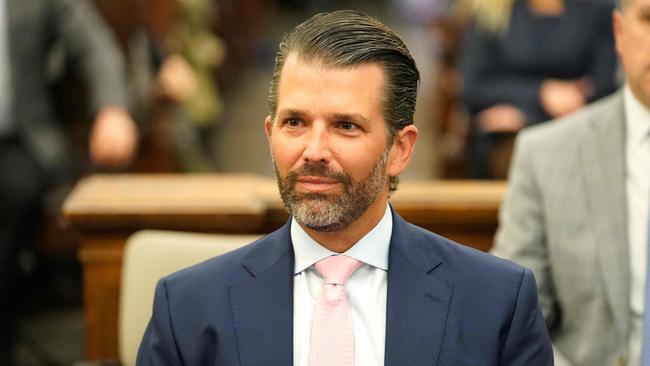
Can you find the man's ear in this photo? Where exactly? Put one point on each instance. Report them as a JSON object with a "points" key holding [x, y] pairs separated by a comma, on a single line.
{"points": [[402, 150], [268, 125]]}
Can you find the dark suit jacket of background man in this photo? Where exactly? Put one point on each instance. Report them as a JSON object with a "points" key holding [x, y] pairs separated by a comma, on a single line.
{"points": [[34, 154], [446, 305], [34, 28]]}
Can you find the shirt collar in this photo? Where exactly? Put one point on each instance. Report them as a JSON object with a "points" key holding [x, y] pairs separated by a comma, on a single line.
{"points": [[372, 249], [637, 118]]}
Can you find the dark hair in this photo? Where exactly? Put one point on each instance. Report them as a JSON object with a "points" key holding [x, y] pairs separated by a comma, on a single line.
{"points": [[347, 38]]}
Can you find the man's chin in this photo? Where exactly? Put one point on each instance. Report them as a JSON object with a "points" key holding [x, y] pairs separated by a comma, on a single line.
{"points": [[319, 207], [318, 215], [327, 228], [320, 221]]}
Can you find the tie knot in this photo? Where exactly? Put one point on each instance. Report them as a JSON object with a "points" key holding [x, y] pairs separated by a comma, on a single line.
{"points": [[336, 269]]}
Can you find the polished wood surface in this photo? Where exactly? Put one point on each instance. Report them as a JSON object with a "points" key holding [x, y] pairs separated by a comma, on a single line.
{"points": [[106, 209], [223, 203]]}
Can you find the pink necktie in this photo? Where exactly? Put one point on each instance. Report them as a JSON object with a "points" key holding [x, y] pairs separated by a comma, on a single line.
{"points": [[332, 336]]}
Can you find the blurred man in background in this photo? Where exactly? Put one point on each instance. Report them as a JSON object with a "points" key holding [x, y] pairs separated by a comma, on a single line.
{"points": [[576, 213], [33, 153]]}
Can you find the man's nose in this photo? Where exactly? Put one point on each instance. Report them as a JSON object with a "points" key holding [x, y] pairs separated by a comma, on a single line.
{"points": [[317, 149]]}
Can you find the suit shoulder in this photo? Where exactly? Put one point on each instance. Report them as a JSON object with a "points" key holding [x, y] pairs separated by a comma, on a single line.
{"points": [[483, 267], [223, 269], [468, 264], [563, 133]]}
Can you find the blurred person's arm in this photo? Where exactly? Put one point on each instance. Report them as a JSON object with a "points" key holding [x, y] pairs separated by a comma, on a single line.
{"points": [[561, 97], [114, 137], [501, 118], [521, 236], [91, 44], [486, 82], [176, 78], [602, 75]]}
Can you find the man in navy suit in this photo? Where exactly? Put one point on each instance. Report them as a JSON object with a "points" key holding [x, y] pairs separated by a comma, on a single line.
{"points": [[340, 132]]}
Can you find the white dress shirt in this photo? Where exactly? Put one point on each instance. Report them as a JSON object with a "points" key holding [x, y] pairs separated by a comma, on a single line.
{"points": [[366, 290], [637, 182]]}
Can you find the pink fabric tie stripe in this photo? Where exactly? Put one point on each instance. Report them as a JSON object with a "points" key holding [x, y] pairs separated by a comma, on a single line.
{"points": [[332, 335]]}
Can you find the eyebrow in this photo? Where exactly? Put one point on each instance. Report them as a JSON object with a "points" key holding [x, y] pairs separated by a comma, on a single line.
{"points": [[295, 113], [353, 117], [286, 113]]}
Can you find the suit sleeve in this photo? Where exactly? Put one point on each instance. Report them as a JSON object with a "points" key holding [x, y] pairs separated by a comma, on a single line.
{"points": [[158, 346], [90, 42], [521, 235], [527, 342]]}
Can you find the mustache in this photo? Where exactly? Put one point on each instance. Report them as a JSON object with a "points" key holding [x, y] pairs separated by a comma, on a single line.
{"points": [[317, 170]]}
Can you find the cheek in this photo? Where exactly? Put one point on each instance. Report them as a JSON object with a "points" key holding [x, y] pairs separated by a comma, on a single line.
{"points": [[639, 46], [358, 162], [635, 55], [284, 155]]}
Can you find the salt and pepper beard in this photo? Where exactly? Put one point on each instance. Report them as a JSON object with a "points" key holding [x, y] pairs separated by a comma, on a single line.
{"points": [[328, 212]]}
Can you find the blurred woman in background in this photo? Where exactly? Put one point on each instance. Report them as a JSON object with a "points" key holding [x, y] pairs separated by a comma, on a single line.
{"points": [[528, 61]]}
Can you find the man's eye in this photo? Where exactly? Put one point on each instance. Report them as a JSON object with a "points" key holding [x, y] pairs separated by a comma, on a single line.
{"points": [[292, 122], [347, 126]]}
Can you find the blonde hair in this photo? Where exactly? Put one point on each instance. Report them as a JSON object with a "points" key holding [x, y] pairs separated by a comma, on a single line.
{"points": [[622, 4], [492, 15]]}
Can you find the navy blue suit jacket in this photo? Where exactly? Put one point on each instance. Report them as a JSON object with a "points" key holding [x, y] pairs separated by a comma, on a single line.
{"points": [[447, 305]]}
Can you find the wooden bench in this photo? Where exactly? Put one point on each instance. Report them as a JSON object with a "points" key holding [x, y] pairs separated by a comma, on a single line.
{"points": [[106, 209]]}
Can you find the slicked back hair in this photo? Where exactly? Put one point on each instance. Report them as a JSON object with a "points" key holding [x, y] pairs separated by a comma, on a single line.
{"points": [[348, 38]]}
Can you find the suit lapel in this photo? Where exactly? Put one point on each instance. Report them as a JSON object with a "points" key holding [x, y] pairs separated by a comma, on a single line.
{"points": [[603, 159], [417, 305], [416, 314], [262, 306]]}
